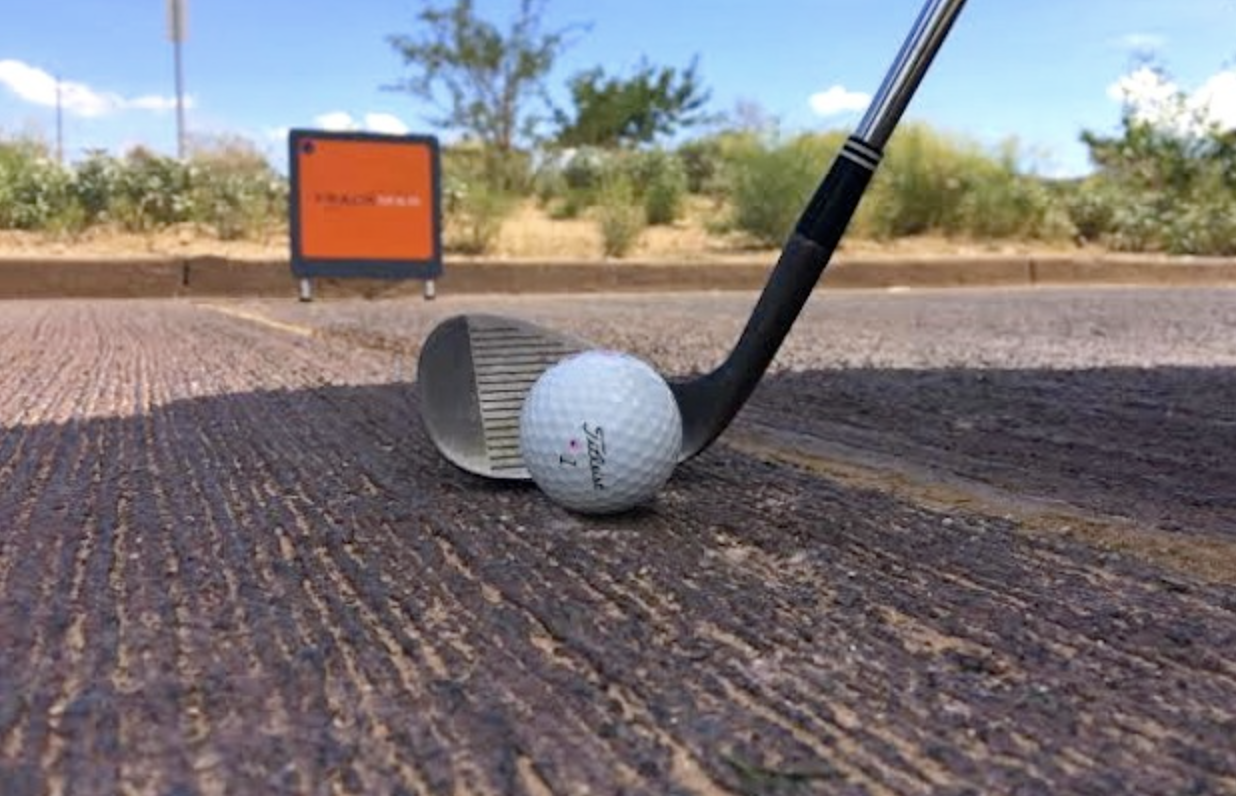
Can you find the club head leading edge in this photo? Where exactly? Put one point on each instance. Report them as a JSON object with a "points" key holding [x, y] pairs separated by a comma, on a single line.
{"points": [[473, 374]]}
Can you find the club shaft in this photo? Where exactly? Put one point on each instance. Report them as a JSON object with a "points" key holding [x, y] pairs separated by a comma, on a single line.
{"points": [[710, 402], [907, 71]]}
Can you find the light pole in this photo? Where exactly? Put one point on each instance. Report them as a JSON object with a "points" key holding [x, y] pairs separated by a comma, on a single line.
{"points": [[59, 122], [177, 26]]}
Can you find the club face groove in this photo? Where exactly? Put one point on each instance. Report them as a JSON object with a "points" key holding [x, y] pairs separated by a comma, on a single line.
{"points": [[474, 373]]}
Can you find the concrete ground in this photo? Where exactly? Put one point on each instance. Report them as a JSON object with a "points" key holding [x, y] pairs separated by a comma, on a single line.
{"points": [[959, 542]]}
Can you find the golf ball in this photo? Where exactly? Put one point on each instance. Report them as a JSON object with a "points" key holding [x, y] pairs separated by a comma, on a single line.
{"points": [[600, 432]]}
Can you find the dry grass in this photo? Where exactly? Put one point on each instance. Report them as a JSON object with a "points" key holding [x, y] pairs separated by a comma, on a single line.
{"points": [[531, 233], [184, 240]]}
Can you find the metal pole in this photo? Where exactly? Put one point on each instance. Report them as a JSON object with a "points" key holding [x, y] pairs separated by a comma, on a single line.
{"points": [[59, 124], [180, 102], [176, 32]]}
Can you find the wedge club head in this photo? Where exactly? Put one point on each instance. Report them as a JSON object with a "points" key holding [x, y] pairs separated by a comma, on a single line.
{"points": [[474, 372]]}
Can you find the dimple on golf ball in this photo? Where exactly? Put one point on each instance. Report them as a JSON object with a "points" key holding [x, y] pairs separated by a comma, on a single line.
{"points": [[600, 432]]}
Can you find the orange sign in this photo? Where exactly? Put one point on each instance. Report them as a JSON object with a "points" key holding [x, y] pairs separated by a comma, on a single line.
{"points": [[364, 199]]}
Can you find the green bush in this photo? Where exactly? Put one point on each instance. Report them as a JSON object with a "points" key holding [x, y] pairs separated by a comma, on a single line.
{"points": [[509, 173], [226, 185], [640, 167], [69, 222], [1092, 205], [1136, 226], [1131, 220], [620, 217], [467, 163], [1169, 190], [1145, 222], [665, 193], [236, 206], [935, 183], [1205, 227], [153, 192], [922, 182], [1006, 205], [769, 185], [549, 184], [96, 183], [476, 218], [572, 205], [586, 168], [732, 148], [234, 191], [33, 188], [703, 160]]}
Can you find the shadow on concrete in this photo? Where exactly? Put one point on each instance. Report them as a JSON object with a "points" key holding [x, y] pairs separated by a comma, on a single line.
{"points": [[268, 591], [1155, 444]]}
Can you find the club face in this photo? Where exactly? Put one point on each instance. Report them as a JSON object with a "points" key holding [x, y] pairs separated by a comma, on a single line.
{"points": [[473, 374]]}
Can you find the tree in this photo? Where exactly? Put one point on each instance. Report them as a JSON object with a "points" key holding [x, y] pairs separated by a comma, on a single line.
{"points": [[1166, 179], [1168, 140], [487, 82], [615, 111]]}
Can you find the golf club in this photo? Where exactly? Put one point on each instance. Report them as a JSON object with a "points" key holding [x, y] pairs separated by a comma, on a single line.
{"points": [[475, 370]]}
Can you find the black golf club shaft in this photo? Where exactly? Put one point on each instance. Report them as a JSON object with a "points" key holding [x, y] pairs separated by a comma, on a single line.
{"points": [[710, 402]]}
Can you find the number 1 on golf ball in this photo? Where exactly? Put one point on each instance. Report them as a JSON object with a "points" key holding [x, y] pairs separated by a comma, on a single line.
{"points": [[600, 432]]}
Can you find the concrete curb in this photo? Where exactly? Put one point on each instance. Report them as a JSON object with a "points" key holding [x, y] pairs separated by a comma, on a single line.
{"points": [[1127, 270], [91, 278], [220, 277]]}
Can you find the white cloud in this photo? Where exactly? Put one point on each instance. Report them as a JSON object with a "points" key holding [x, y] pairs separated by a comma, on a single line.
{"points": [[373, 122], [38, 87], [838, 100], [1142, 42], [1148, 92], [152, 102], [1218, 95], [385, 123], [1156, 99], [336, 120]]}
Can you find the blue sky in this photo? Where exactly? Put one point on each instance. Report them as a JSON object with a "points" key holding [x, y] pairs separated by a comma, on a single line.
{"points": [[1041, 71]]}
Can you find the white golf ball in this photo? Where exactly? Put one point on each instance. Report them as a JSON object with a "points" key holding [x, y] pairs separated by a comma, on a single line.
{"points": [[600, 432]]}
